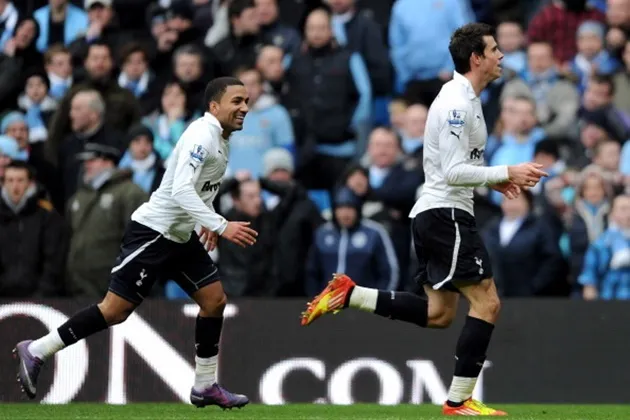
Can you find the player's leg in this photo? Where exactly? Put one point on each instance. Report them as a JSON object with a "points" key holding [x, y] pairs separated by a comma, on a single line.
{"points": [[473, 264], [196, 273], [129, 282], [471, 349], [435, 311]]}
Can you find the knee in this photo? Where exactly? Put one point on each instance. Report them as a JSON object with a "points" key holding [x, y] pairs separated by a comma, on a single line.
{"points": [[213, 306], [114, 314], [488, 309], [494, 307], [441, 318]]}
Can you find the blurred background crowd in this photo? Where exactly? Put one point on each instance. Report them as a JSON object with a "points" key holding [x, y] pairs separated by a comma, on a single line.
{"points": [[94, 95]]}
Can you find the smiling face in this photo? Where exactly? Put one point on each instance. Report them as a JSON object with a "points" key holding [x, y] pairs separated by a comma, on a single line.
{"points": [[231, 109]]}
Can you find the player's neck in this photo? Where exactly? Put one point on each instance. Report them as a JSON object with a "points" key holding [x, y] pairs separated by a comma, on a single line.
{"points": [[226, 134], [477, 81]]}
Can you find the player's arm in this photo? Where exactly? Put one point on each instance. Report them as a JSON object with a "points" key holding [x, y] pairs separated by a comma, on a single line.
{"points": [[454, 140], [453, 145], [194, 154]]}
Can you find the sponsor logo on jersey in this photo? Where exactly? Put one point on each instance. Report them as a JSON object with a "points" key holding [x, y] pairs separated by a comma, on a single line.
{"points": [[208, 186], [456, 118], [476, 153]]}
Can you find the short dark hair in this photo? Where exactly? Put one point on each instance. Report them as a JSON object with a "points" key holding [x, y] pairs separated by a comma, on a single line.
{"points": [[547, 147], [468, 40], [131, 48], [217, 87], [18, 164], [98, 43], [604, 79], [237, 7]]}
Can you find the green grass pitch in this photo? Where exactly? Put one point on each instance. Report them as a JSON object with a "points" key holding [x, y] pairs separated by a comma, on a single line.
{"points": [[296, 412]]}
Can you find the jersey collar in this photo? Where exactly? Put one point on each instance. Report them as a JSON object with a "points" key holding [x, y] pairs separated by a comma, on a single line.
{"points": [[459, 78], [212, 120]]}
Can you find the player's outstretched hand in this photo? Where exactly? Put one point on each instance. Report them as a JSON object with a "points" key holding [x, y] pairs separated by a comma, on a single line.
{"points": [[526, 175], [240, 234], [508, 189]]}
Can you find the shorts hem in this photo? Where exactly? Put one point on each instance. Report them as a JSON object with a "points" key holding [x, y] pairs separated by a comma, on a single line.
{"points": [[125, 297]]}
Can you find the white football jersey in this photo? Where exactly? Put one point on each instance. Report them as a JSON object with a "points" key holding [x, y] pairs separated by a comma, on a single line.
{"points": [[454, 142], [190, 184]]}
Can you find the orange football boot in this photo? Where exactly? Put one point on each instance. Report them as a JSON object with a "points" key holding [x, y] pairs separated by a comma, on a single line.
{"points": [[331, 299], [471, 408]]}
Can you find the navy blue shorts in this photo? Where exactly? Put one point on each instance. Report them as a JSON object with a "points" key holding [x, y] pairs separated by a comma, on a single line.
{"points": [[146, 257], [449, 249]]}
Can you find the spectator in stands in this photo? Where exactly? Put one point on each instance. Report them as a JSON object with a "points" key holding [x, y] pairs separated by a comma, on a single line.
{"points": [[10, 17], [141, 158], [599, 96], [87, 117], [557, 100], [274, 32], [519, 132], [511, 40], [121, 108], [14, 125], [270, 64], [413, 132], [296, 217], [526, 258], [60, 22], [547, 154], [38, 106], [98, 214], [267, 125], [397, 110], [191, 73], [618, 19], [419, 34], [33, 238], [102, 26], [360, 33], [606, 158], [138, 78], [592, 57], [171, 119], [606, 271], [393, 182], [557, 23], [352, 245], [9, 150], [18, 57], [331, 96], [240, 48], [621, 80], [519, 136], [247, 271], [595, 128], [173, 28], [58, 64], [588, 219]]}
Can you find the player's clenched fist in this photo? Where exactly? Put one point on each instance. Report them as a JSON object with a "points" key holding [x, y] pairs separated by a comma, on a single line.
{"points": [[526, 174], [240, 234]]}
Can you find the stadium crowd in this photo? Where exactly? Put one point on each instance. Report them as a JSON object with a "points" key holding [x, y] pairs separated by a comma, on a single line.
{"points": [[94, 95]]}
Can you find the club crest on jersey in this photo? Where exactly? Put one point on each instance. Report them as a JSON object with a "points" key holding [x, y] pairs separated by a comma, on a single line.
{"points": [[198, 153], [456, 118]]}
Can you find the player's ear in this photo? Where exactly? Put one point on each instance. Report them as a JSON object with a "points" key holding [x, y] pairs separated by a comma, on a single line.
{"points": [[214, 107]]}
